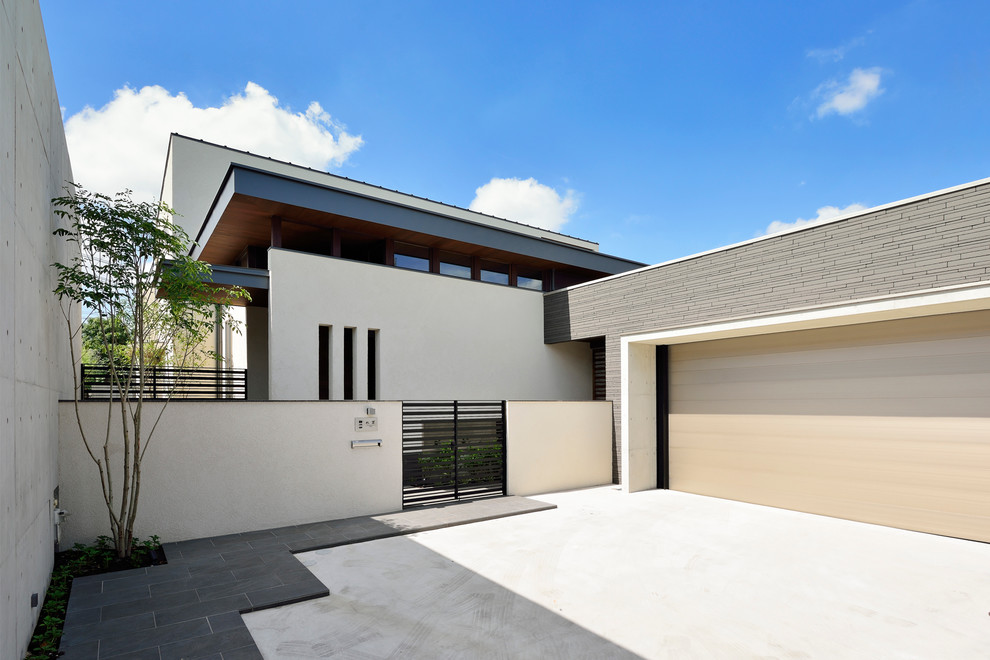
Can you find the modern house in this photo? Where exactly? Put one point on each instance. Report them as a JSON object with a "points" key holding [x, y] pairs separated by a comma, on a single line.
{"points": [[841, 368]]}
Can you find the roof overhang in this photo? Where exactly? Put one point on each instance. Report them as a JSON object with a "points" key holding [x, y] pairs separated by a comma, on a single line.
{"points": [[248, 198]]}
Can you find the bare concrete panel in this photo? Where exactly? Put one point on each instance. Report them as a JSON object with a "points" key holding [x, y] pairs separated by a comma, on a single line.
{"points": [[34, 369]]}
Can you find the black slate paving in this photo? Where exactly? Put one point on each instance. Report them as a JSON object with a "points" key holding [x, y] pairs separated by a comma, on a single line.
{"points": [[191, 607]]}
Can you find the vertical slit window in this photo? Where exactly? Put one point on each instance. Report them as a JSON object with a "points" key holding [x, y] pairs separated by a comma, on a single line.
{"points": [[348, 364], [372, 365], [324, 362]]}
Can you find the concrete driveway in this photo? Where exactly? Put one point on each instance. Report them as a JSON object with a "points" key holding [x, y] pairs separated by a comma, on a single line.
{"points": [[658, 574]]}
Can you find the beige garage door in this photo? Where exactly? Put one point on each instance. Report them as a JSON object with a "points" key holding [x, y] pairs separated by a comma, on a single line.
{"points": [[886, 422]]}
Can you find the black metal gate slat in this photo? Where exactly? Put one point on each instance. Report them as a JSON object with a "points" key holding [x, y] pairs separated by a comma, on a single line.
{"points": [[452, 450], [455, 443]]}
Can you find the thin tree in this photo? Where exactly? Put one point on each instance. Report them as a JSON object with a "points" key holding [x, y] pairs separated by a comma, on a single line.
{"points": [[131, 274]]}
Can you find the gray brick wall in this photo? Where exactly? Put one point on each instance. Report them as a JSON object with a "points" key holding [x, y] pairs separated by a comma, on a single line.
{"points": [[931, 243]]}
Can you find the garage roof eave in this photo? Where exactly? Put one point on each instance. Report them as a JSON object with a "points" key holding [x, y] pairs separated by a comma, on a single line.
{"points": [[947, 300]]}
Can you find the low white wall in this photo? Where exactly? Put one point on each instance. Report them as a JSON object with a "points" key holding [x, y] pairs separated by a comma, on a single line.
{"points": [[223, 467], [558, 445]]}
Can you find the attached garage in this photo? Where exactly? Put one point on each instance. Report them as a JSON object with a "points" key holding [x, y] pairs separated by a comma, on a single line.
{"points": [[839, 367], [885, 422]]}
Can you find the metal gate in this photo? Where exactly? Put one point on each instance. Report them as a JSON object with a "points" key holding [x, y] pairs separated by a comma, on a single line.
{"points": [[452, 450]]}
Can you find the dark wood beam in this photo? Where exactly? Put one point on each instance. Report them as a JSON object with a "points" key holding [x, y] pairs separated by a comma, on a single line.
{"points": [[389, 252]]}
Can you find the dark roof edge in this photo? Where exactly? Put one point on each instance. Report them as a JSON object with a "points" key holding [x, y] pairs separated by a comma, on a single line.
{"points": [[209, 212], [267, 173], [249, 278], [254, 278]]}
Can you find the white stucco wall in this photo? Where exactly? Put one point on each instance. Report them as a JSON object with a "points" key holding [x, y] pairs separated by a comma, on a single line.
{"points": [[34, 372], [439, 337], [557, 445], [639, 417], [219, 467], [224, 467]]}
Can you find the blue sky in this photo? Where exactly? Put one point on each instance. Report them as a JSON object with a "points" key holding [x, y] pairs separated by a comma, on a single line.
{"points": [[657, 129]]}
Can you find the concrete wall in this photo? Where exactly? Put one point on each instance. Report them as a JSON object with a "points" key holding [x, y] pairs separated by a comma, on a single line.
{"points": [[926, 243], [223, 467], [439, 337], [34, 165], [557, 445]]}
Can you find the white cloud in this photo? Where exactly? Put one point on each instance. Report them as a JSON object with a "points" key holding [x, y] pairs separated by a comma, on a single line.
{"points": [[824, 213], [827, 54], [527, 201], [862, 87], [834, 54], [123, 144]]}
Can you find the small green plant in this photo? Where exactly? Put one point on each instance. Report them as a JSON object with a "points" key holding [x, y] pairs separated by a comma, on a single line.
{"points": [[437, 467], [100, 557], [94, 557]]}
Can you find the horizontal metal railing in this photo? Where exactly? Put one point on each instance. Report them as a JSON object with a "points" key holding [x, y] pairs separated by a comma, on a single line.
{"points": [[163, 382]]}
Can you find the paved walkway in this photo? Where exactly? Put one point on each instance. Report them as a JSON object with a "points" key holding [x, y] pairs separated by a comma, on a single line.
{"points": [[658, 574], [191, 607]]}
